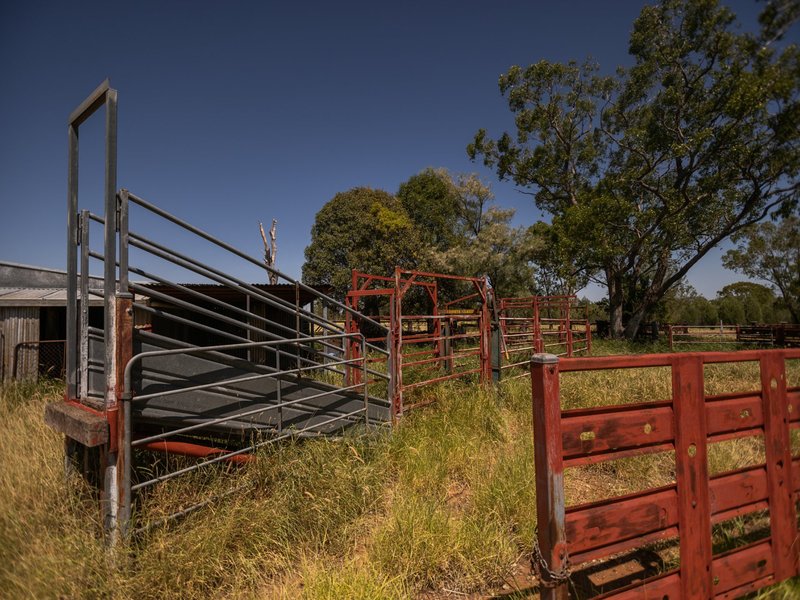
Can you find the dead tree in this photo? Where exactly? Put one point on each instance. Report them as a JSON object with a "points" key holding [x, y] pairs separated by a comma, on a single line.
{"points": [[270, 250]]}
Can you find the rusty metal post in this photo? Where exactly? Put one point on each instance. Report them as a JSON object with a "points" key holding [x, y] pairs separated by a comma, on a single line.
{"points": [[121, 446], [549, 465], [782, 512], [123, 337], [497, 354], [691, 470]]}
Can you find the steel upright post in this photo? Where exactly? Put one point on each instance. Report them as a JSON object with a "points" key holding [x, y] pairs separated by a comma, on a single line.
{"points": [[71, 357], [549, 465]]}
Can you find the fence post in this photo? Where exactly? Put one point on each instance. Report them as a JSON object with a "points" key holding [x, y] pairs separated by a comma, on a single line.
{"points": [[691, 470], [549, 464], [782, 513], [588, 336], [497, 356], [446, 345]]}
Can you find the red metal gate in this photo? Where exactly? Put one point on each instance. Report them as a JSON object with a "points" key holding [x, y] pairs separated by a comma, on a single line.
{"points": [[442, 341], [554, 324], [686, 423]]}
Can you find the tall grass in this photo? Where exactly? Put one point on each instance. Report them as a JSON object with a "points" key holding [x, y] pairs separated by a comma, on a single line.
{"points": [[446, 502], [49, 547]]}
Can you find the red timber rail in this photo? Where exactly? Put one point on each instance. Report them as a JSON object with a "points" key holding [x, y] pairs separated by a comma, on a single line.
{"points": [[431, 339], [685, 424], [553, 324]]}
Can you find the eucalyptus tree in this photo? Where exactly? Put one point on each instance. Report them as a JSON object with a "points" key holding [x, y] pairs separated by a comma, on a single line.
{"points": [[771, 251], [644, 172]]}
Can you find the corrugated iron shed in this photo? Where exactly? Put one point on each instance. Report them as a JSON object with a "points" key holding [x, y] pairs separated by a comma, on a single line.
{"points": [[32, 297]]}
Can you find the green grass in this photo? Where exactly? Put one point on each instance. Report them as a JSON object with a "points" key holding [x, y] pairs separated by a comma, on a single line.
{"points": [[446, 502]]}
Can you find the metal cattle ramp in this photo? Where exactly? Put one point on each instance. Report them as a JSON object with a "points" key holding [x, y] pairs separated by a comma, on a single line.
{"points": [[195, 357]]}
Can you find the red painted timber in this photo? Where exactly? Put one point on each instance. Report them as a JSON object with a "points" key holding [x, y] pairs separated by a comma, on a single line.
{"points": [[783, 516], [604, 431], [548, 462], [737, 572], [623, 522], [691, 470]]}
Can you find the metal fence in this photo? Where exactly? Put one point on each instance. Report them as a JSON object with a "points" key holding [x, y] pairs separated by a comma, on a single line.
{"points": [[439, 329], [554, 324], [777, 334], [571, 538], [36, 358], [194, 358]]}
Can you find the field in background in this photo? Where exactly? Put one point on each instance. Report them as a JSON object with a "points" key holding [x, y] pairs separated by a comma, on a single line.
{"points": [[443, 507]]}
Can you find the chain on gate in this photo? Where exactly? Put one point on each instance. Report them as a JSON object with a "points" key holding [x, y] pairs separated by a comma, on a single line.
{"points": [[542, 569]]}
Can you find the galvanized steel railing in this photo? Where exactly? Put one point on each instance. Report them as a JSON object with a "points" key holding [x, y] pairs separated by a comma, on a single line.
{"points": [[194, 355]]}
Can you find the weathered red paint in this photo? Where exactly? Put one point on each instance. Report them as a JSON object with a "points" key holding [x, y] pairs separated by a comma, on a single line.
{"points": [[783, 517], [549, 468], [688, 508]]}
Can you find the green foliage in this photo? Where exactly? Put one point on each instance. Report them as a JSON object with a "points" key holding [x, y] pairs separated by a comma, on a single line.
{"points": [[557, 273], [362, 229], [646, 171], [431, 201], [497, 250], [483, 241], [771, 252]]}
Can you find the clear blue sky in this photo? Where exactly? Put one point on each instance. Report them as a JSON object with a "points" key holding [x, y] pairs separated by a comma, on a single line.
{"points": [[235, 112]]}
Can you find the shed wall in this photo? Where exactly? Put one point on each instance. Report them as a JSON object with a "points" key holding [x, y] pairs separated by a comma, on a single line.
{"points": [[18, 325]]}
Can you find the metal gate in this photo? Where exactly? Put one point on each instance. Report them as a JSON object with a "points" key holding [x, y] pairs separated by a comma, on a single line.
{"points": [[535, 324], [434, 337], [686, 423]]}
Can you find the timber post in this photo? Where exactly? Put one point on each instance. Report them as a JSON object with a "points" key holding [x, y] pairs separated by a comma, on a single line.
{"points": [[551, 558]]}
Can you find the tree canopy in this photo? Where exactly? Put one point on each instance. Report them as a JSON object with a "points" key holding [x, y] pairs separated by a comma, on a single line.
{"points": [[364, 229], [432, 202], [771, 252], [646, 171]]}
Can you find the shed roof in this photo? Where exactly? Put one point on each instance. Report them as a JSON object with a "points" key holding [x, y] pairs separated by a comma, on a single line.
{"points": [[32, 297]]}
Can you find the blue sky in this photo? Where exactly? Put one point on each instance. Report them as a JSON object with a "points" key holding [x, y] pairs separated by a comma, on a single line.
{"points": [[232, 113]]}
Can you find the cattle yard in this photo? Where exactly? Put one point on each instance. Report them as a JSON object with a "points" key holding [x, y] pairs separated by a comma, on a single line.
{"points": [[217, 370]]}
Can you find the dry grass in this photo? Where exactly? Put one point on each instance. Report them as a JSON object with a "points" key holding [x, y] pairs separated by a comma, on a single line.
{"points": [[445, 502]]}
